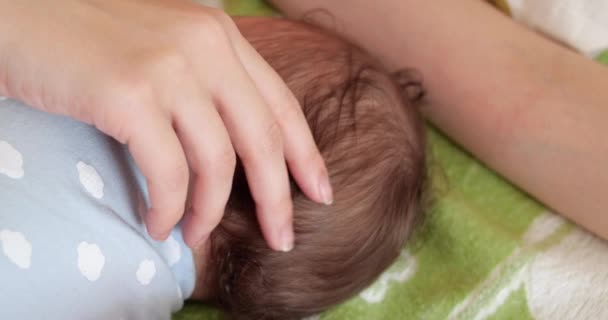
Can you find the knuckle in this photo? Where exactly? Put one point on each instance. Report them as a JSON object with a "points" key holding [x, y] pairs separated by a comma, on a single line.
{"points": [[108, 118], [273, 139], [164, 61], [131, 87], [268, 145], [207, 27], [121, 99], [227, 157], [150, 65], [289, 114], [223, 164], [177, 178]]}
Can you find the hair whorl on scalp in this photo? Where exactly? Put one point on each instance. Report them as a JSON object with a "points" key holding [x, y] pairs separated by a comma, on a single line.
{"points": [[372, 141]]}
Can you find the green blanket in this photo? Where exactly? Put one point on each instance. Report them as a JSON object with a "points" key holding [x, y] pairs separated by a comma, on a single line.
{"points": [[486, 251]]}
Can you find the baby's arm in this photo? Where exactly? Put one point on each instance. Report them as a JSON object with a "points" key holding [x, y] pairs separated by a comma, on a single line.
{"points": [[529, 108]]}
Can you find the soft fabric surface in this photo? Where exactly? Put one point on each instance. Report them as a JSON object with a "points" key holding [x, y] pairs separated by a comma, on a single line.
{"points": [[487, 251], [581, 24]]}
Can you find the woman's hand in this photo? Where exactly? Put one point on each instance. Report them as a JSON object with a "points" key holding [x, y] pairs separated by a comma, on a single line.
{"points": [[178, 83]]}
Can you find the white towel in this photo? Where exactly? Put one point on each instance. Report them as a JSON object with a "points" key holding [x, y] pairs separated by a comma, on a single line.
{"points": [[582, 24]]}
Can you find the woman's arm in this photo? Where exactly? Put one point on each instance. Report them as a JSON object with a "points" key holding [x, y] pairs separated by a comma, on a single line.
{"points": [[529, 108]]}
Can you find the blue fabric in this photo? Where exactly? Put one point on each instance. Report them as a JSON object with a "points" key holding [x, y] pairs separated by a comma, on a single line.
{"points": [[73, 245]]}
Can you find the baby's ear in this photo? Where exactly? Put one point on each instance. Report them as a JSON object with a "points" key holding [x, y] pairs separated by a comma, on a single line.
{"points": [[410, 84]]}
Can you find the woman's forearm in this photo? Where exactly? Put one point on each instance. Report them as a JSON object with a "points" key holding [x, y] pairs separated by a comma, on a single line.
{"points": [[529, 108]]}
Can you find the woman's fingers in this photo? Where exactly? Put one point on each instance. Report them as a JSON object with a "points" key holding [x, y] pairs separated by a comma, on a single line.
{"points": [[159, 155], [212, 160], [302, 155], [258, 141]]}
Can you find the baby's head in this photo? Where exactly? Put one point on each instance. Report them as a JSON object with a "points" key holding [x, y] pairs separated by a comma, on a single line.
{"points": [[371, 138]]}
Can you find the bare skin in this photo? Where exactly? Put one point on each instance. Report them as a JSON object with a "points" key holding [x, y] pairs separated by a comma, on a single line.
{"points": [[526, 106], [179, 84]]}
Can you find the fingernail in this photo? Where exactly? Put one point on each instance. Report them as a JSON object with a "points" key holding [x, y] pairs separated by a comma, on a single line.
{"points": [[325, 191], [286, 239]]}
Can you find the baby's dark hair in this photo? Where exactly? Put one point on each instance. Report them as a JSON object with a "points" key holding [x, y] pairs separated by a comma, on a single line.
{"points": [[372, 140]]}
